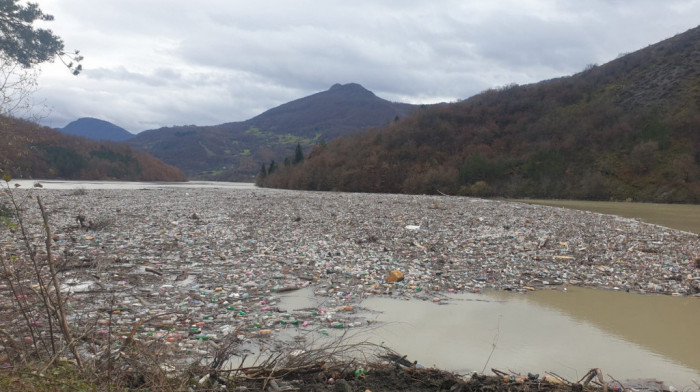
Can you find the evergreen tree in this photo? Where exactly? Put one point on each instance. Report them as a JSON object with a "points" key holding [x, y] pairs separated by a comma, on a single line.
{"points": [[272, 167], [26, 45], [259, 180], [22, 47], [298, 154]]}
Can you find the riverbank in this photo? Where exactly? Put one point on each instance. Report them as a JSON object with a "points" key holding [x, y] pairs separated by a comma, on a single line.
{"points": [[202, 267]]}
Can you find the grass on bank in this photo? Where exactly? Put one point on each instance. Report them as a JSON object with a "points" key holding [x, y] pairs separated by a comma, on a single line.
{"points": [[60, 377]]}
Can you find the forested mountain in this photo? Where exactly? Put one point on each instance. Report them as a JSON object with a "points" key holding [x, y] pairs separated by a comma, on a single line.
{"points": [[339, 111], [235, 151], [629, 129], [31, 151], [96, 129]]}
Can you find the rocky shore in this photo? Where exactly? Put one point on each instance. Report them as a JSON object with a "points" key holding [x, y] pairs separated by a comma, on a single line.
{"points": [[190, 267]]}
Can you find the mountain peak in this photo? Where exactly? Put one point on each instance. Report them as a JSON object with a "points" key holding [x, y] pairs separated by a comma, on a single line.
{"points": [[353, 89], [234, 151], [333, 112], [93, 128]]}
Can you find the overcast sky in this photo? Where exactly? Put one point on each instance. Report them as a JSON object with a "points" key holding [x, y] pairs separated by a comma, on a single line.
{"points": [[154, 63]]}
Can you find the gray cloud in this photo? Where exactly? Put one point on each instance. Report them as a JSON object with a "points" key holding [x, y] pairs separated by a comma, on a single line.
{"points": [[174, 62]]}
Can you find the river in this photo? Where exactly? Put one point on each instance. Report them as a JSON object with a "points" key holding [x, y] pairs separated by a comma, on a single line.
{"points": [[64, 184], [568, 332], [564, 331], [684, 217]]}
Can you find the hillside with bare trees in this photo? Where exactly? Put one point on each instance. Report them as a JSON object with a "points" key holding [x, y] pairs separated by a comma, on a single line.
{"points": [[627, 129], [31, 151]]}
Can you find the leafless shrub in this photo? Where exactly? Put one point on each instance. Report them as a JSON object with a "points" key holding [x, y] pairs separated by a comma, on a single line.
{"points": [[36, 309], [100, 224], [311, 361], [38, 326], [79, 191]]}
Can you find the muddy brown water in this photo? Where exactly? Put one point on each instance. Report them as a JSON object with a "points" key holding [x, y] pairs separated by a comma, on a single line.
{"points": [[684, 217], [628, 336]]}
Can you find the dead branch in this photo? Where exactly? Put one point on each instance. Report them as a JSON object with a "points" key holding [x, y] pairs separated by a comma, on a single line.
{"points": [[594, 373], [560, 378], [154, 271], [61, 311], [621, 384]]}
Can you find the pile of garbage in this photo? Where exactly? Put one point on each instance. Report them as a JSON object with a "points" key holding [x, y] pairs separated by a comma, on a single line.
{"points": [[188, 267]]}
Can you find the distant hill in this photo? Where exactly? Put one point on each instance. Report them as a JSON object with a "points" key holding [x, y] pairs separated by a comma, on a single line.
{"points": [[96, 129], [31, 151], [341, 110], [628, 129], [236, 150]]}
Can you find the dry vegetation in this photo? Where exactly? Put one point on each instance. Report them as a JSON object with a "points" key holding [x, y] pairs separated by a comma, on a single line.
{"points": [[31, 151], [623, 130]]}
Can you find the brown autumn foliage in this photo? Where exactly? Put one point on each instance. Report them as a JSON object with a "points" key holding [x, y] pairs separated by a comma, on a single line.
{"points": [[31, 151], [626, 129]]}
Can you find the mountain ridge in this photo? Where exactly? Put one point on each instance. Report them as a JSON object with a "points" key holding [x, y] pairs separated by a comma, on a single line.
{"points": [[32, 151], [626, 129], [236, 150]]}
